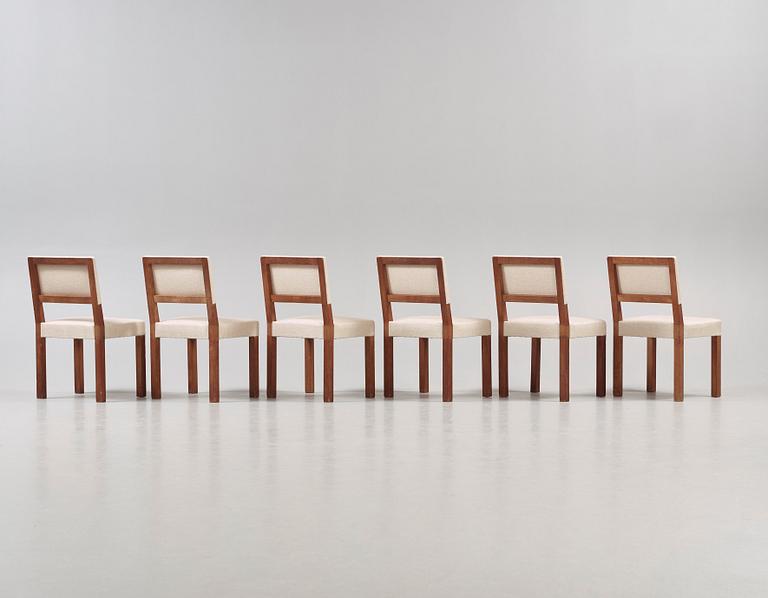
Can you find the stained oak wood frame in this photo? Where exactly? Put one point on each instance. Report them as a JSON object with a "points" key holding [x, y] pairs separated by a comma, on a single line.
{"points": [[271, 298], [99, 338], [502, 298], [388, 298], [673, 300], [153, 300]]}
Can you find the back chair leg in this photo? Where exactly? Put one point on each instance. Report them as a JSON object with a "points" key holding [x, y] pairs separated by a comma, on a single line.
{"points": [[389, 378], [618, 365], [101, 369], [192, 366], [253, 367], [309, 365], [535, 364], [423, 365], [40, 370], [271, 367], [154, 359], [141, 366], [213, 370], [650, 374], [370, 368], [503, 366], [447, 369], [716, 365], [600, 368], [79, 366], [485, 343], [679, 372], [328, 370], [565, 368]]}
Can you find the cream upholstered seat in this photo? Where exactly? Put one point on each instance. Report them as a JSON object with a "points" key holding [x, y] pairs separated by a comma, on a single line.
{"points": [[72, 328], [527, 279], [312, 327], [663, 327], [432, 327], [549, 327], [197, 327]]}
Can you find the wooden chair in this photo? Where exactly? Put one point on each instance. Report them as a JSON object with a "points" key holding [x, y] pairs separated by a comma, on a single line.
{"points": [[188, 280], [422, 280], [654, 280], [73, 280], [540, 280], [302, 280]]}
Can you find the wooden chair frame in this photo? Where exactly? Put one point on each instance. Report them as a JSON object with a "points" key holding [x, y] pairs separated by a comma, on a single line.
{"points": [[388, 298], [213, 331], [673, 300], [503, 298], [271, 298], [92, 299]]}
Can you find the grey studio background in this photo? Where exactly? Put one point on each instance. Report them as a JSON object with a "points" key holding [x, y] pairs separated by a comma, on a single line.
{"points": [[351, 129]]}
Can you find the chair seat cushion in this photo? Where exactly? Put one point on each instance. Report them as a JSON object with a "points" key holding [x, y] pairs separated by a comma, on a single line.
{"points": [[312, 327], [197, 327], [84, 328], [663, 327], [549, 327], [432, 327]]}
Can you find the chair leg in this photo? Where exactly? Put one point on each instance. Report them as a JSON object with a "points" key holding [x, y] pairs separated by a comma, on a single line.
{"points": [[309, 365], [618, 365], [253, 367], [389, 377], [485, 344], [716, 365], [213, 370], [535, 364], [192, 366], [141, 366], [447, 369], [40, 368], [600, 367], [650, 366], [328, 370], [423, 365], [101, 369], [565, 368], [79, 366], [154, 367], [370, 367], [679, 371], [503, 366], [271, 367]]}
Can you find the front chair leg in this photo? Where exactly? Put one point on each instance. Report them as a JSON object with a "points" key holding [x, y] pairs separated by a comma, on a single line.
{"points": [[389, 378], [423, 365], [565, 373], [535, 365], [40, 370], [600, 367], [447, 369], [370, 368], [503, 366], [309, 365], [271, 367], [192, 366], [213, 370], [328, 370], [679, 371], [101, 369], [154, 358], [141, 366], [253, 367], [618, 365], [79, 366], [716, 365], [650, 366], [485, 343]]}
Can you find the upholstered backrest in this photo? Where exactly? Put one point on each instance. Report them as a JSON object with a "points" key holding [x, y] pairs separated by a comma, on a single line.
{"points": [[65, 277], [645, 279], [405, 279], [179, 279], [529, 279], [295, 279]]}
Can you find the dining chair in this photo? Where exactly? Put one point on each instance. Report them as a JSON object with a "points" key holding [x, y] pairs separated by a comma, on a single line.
{"points": [[72, 280], [422, 280], [188, 280], [522, 279], [303, 280], [635, 279]]}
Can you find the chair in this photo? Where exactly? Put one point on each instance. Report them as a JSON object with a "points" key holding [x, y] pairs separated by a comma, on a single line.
{"points": [[422, 280], [654, 280], [188, 280], [73, 280], [302, 280], [540, 280]]}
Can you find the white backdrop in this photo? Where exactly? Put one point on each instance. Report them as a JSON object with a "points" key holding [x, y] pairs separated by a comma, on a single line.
{"points": [[349, 129]]}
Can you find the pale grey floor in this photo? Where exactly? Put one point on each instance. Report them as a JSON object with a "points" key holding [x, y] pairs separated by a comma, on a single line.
{"points": [[410, 497]]}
